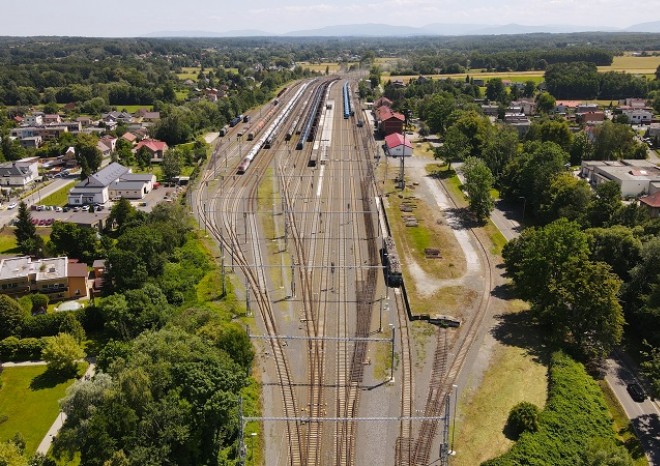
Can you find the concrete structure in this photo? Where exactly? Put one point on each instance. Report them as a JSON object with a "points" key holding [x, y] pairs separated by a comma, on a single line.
{"points": [[56, 277], [520, 121], [98, 188], [654, 130], [635, 177], [396, 145]]}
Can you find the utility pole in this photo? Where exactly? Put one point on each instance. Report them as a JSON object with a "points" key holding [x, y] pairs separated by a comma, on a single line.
{"points": [[245, 225], [392, 355], [224, 290], [293, 280], [248, 290], [241, 433]]}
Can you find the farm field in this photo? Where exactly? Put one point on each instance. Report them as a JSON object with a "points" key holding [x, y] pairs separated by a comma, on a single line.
{"points": [[333, 67], [627, 63], [188, 73]]}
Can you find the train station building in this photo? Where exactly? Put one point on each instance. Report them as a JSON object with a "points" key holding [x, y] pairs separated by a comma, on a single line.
{"points": [[396, 145]]}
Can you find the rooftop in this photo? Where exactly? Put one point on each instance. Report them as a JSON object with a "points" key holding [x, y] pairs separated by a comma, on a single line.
{"points": [[44, 269]]}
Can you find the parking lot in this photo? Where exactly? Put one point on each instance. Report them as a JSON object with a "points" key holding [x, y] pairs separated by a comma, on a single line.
{"points": [[44, 216]]}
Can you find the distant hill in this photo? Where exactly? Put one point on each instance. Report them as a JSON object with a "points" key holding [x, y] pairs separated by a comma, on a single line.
{"points": [[237, 33], [362, 30], [644, 27], [435, 29]]}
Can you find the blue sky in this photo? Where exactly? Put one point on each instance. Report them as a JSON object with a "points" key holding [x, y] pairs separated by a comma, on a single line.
{"points": [[122, 18]]}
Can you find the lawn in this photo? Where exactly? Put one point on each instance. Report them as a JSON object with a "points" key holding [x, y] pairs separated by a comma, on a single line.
{"points": [[188, 73], [59, 197], [632, 64], [133, 108], [8, 245], [29, 398], [515, 374]]}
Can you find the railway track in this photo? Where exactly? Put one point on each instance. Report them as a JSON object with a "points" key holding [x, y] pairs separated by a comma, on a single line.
{"points": [[445, 373]]}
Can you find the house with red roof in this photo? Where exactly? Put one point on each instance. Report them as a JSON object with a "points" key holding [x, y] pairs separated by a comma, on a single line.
{"points": [[154, 146], [389, 121], [397, 145]]}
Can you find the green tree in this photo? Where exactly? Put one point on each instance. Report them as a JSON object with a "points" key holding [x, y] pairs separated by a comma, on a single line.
{"points": [[500, 150], [523, 417], [530, 88], [478, 183], [12, 317], [651, 369], [545, 103], [617, 246], [605, 204], [26, 233], [495, 90], [456, 147], [61, 353], [143, 157], [39, 302], [121, 213], [581, 149], [124, 153], [556, 131], [87, 154], [74, 241], [614, 141], [11, 455], [71, 326], [171, 164], [605, 452], [567, 197]]}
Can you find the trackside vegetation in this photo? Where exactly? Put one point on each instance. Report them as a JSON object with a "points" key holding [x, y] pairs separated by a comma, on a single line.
{"points": [[573, 429]]}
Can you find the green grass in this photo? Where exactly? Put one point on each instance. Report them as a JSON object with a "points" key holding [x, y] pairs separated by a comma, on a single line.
{"points": [[8, 244], [133, 108], [188, 73], [182, 96], [514, 375], [29, 398], [622, 426], [59, 197]]}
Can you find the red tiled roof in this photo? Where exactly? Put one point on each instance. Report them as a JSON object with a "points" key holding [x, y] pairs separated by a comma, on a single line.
{"points": [[386, 113], [153, 145], [652, 201], [397, 139], [78, 270], [130, 137]]}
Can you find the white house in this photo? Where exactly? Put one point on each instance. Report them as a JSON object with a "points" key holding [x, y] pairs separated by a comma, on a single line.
{"points": [[635, 177], [396, 145], [637, 116], [16, 175], [115, 180]]}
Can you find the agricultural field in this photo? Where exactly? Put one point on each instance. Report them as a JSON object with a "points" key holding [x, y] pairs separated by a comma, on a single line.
{"points": [[333, 67], [625, 63]]}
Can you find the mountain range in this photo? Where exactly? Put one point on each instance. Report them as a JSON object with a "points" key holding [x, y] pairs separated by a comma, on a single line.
{"points": [[388, 30]]}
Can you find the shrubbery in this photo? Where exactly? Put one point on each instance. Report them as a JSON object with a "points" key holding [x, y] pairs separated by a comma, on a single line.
{"points": [[575, 419], [26, 349]]}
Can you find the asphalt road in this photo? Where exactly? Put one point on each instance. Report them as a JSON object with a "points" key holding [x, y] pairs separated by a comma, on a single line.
{"points": [[35, 198]]}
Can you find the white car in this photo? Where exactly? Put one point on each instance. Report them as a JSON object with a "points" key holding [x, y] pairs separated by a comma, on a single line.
{"points": [[85, 207], [12, 205]]}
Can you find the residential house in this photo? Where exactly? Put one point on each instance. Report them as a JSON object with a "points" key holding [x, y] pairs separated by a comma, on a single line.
{"points": [[31, 142], [103, 185], [635, 177], [106, 145], [117, 117], [52, 119], [56, 277], [155, 147], [519, 121], [490, 110], [388, 121], [397, 145], [34, 119], [130, 137], [15, 175], [590, 117], [382, 101], [84, 121], [147, 115], [637, 116]]}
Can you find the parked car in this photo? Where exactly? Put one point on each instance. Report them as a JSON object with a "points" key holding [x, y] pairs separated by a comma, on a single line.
{"points": [[34, 221], [99, 208], [66, 208], [50, 221], [85, 208], [40, 207], [76, 209], [42, 222], [12, 205], [636, 392], [58, 209]]}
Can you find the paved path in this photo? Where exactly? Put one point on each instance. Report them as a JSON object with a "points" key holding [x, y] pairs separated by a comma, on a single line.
{"points": [[23, 364], [47, 441]]}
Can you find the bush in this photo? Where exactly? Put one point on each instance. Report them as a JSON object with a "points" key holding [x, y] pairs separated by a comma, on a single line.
{"points": [[43, 325], [26, 349], [575, 415], [524, 417]]}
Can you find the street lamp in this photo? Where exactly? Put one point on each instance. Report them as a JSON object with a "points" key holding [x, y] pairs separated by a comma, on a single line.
{"points": [[524, 205]]}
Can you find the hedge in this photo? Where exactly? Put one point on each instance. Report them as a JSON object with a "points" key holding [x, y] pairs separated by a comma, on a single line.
{"points": [[575, 415], [26, 349]]}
